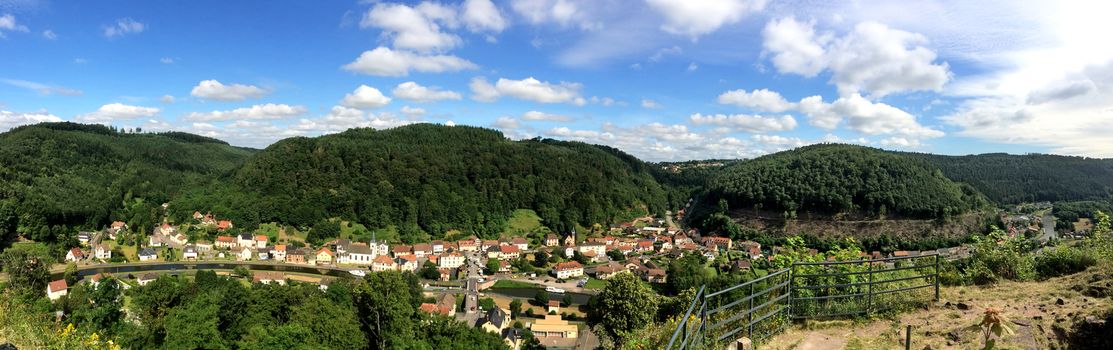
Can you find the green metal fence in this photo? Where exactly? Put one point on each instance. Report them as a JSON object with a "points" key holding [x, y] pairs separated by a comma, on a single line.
{"points": [[763, 307]]}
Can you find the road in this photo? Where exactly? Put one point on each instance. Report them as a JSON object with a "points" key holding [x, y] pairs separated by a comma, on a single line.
{"points": [[668, 219], [1048, 222]]}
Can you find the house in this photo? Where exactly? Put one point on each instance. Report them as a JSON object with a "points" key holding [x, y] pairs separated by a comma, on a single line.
{"points": [[324, 256], [268, 277], [522, 243], [508, 252], [495, 321], [494, 252], [644, 246], [383, 263], [197, 216], [438, 247], [95, 280], [741, 265], [278, 253], [203, 246], [57, 289], [554, 307], [85, 237], [407, 262], [117, 226], [716, 242], [147, 254], [553, 331], [609, 270], [467, 246], [260, 241], [445, 305], [208, 219], [504, 266], [167, 230], [599, 248], [379, 248], [445, 274], [552, 240], [570, 240], [146, 278], [421, 250], [102, 252], [245, 240], [75, 254], [263, 254], [450, 261], [244, 254], [296, 256], [568, 269], [487, 244], [401, 249], [654, 275], [900, 254], [189, 253], [225, 242], [154, 240], [224, 225]]}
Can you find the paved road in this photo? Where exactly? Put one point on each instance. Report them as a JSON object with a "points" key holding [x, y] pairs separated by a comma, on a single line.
{"points": [[1048, 222], [668, 219]]}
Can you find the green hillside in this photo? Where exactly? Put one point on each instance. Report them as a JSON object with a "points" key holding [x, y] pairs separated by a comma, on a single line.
{"points": [[60, 176], [1011, 179], [428, 179], [835, 179]]}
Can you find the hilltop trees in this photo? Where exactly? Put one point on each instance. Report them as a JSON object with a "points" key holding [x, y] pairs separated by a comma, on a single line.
{"points": [[626, 304]]}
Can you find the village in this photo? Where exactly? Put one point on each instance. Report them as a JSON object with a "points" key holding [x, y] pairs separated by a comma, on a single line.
{"points": [[467, 278]]}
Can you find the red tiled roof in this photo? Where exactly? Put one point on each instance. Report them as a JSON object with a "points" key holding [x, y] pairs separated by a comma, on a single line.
{"points": [[509, 249], [568, 265], [261, 238], [58, 285], [383, 259], [227, 239]]}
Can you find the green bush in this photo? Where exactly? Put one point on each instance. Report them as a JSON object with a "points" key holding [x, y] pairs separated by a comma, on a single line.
{"points": [[1063, 261]]}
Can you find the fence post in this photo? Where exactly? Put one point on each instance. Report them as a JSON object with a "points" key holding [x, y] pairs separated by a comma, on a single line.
{"points": [[869, 294], [703, 318], [908, 338], [791, 302], [751, 322], [936, 277]]}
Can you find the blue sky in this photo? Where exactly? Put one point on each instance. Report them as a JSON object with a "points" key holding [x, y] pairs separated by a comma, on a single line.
{"points": [[661, 79]]}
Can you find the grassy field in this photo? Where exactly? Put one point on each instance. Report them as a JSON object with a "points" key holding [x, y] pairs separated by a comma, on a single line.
{"points": [[595, 284], [505, 284], [522, 221]]}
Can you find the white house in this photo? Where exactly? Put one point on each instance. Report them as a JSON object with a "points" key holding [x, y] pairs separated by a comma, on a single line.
{"points": [[244, 254], [407, 262], [102, 252], [383, 263], [75, 255], [245, 240], [450, 261], [227, 242], [190, 252], [147, 254], [278, 253], [569, 269], [360, 254], [57, 289], [146, 278], [598, 248]]}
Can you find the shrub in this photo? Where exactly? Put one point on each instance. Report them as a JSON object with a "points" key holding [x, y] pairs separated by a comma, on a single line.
{"points": [[1063, 261]]}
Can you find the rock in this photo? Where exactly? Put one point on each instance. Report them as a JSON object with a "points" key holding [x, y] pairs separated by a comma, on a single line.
{"points": [[1022, 323], [1059, 301], [1098, 277], [928, 347], [947, 304], [8, 346], [954, 336], [1037, 317], [963, 306]]}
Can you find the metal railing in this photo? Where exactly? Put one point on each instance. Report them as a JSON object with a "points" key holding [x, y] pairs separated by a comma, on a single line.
{"points": [[763, 307]]}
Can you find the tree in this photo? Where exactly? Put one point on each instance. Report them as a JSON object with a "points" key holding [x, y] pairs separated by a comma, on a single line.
{"points": [[195, 326], [515, 308], [624, 306], [429, 271], [27, 272], [328, 323], [541, 298], [322, 230], [493, 266], [566, 301], [540, 258], [530, 342], [386, 309], [686, 273], [103, 311], [616, 255]]}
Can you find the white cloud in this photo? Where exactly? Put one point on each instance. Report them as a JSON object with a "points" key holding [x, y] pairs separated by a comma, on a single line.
{"points": [[365, 97], [872, 59], [10, 119], [413, 28], [779, 142], [746, 123], [413, 91], [117, 111], [123, 27], [665, 52], [865, 117], [694, 18], [383, 61], [562, 12], [43, 89], [167, 99], [482, 15], [412, 112], [761, 99], [49, 35], [650, 104], [343, 118], [80, 60], [256, 112], [901, 142], [166, 60], [535, 115], [8, 23], [604, 101], [528, 89], [692, 67], [507, 123], [215, 90]]}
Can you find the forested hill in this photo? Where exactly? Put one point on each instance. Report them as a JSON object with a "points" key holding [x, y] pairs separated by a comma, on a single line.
{"points": [[60, 176], [835, 178], [427, 179], [1010, 179]]}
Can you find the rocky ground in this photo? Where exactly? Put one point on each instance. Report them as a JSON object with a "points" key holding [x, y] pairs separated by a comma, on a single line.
{"points": [[1073, 311]]}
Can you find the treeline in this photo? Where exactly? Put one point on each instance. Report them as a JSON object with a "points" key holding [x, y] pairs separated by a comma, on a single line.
{"points": [[59, 177], [684, 180], [1066, 213], [428, 179], [834, 179], [1011, 179]]}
